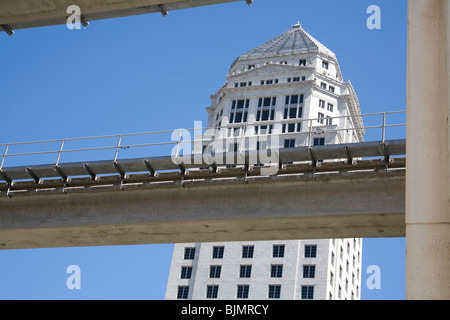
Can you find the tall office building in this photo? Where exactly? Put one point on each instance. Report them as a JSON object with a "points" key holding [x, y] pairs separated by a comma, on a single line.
{"points": [[291, 88]]}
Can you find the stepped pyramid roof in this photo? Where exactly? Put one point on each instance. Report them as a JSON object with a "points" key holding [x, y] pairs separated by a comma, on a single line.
{"points": [[296, 40]]}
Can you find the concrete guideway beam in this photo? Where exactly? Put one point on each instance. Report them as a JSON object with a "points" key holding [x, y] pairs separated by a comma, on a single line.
{"points": [[30, 14], [282, 207]]}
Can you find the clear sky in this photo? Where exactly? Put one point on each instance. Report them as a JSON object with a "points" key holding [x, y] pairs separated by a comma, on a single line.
{"points": [[148, 73]]}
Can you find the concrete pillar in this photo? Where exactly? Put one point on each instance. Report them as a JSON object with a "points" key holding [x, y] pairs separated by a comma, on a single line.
{"points": [[427, 176]]}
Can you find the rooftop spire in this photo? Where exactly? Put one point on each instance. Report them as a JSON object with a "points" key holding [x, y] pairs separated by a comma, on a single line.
{"points": [[298, 25]]}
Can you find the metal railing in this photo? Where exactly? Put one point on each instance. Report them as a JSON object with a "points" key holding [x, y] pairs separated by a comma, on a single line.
{"points": [[315, 125]]}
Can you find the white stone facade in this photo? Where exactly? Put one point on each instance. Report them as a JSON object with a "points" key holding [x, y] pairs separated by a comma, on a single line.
{"points": [[336, 273], [274, 90]]}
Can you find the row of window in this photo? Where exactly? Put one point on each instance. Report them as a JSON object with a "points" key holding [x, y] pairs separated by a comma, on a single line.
{"points": [[266, 109], [324, 86], [245, 271], [242, 292], [275, 81], [290, 127], [248, 251], [301, 63], [290, 143]]}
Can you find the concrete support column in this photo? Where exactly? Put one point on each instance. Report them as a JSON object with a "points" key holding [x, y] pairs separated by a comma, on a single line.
{"points": [[427, 177]]}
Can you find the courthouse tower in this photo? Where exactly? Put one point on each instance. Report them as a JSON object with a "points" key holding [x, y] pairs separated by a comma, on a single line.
{"points": [[291, 87]]}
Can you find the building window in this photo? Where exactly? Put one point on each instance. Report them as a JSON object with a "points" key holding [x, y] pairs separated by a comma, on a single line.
{"points": [[214, 271], [296, 79], [292, 107], [186, 272], [274, 291], [218, 252], [331, 89], [309, 271], [330, 107], [329, 121], [325, 64], [242, 291], [239, 111], [295, 99], [278, 251], [323, 85], [283, 62], [251, 66], [261, 145], [307, 292], [289, 143], [189, 253], [310, 251], [247, 251], [183, 292], [262, 130], [276, 271], [293, 112], [319, 141], [235, 132], [245, 271], [322, 104], [302, 63], [320, 117], [212, 291], [270, 81], [291, 127], [266, 109]]}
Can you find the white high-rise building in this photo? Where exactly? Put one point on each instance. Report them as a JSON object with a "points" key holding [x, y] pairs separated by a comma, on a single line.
{"points": [[292, 88]]}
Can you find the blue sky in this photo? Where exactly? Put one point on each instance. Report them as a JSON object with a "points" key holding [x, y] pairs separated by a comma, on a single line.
{"points": [[148, 73]]}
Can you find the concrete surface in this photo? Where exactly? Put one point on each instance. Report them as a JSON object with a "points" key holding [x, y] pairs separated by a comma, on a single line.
{"points": [[281, 207]]}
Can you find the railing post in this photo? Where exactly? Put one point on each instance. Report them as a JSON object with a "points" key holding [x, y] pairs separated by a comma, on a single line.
{"points": [[59, 153], [242, 148], [4, 156], [117, 148], [178, 143], [384, 127], [310, 132]]}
